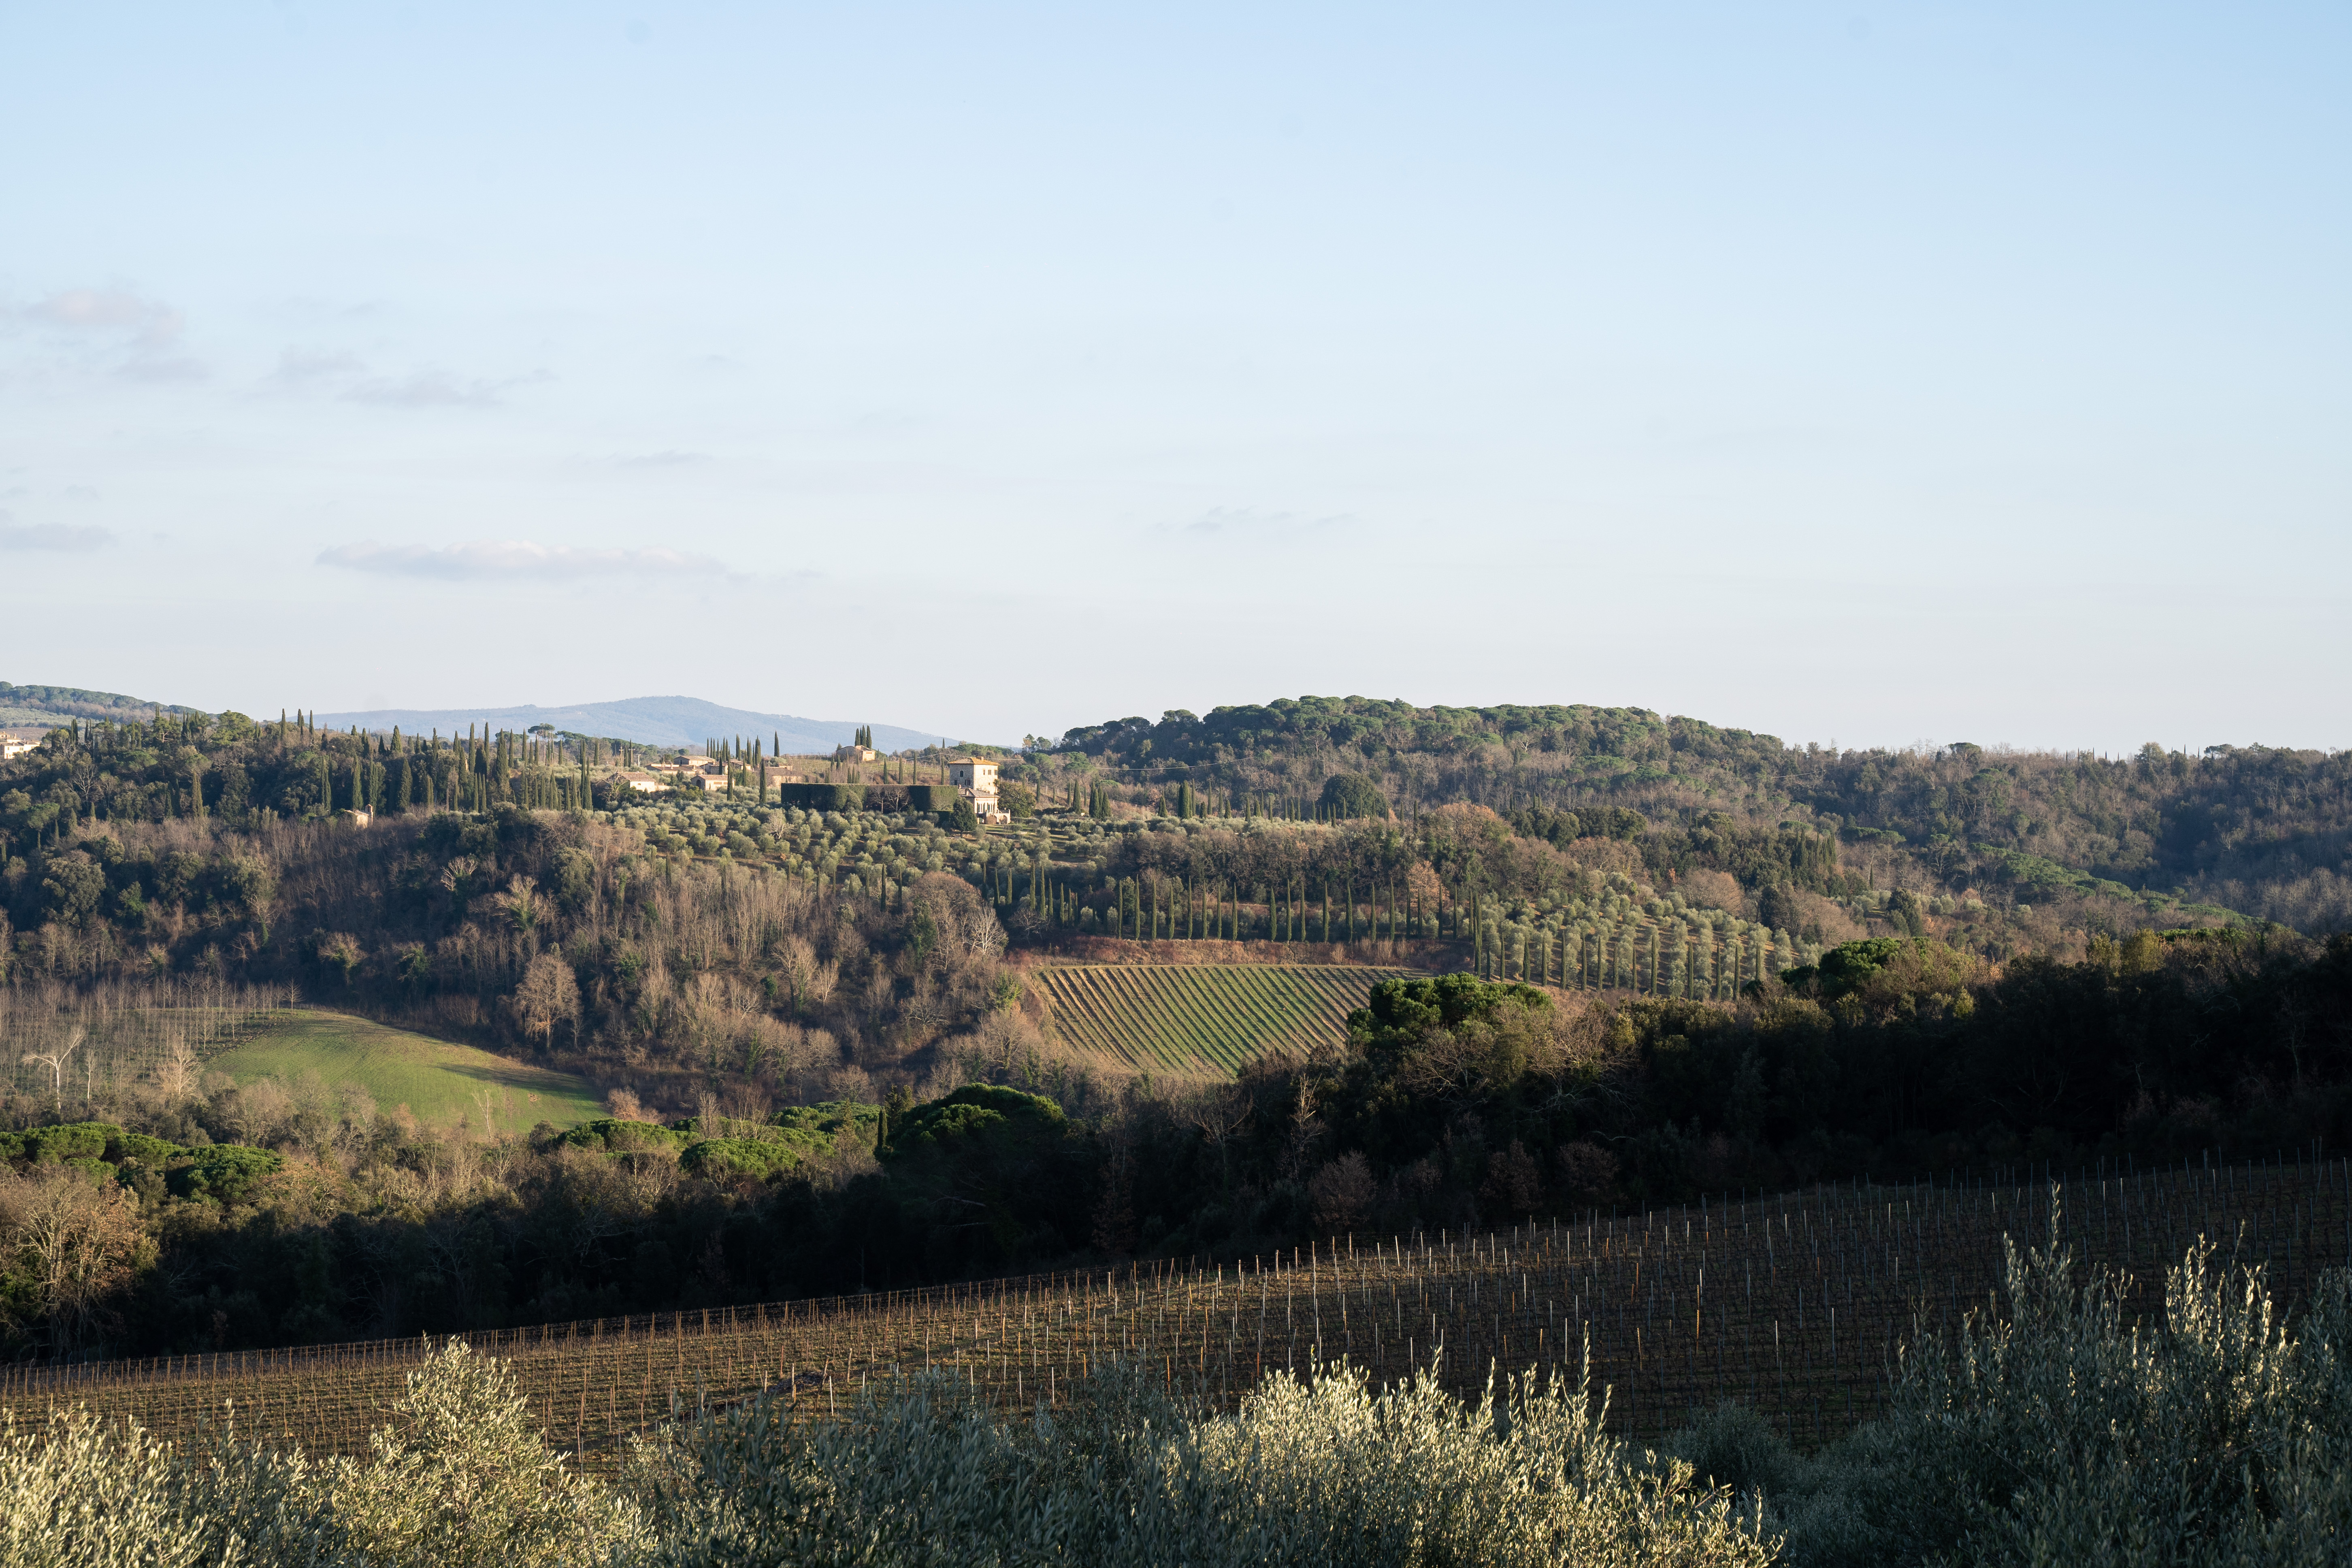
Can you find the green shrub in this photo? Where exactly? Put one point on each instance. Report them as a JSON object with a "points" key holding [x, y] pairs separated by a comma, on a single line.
{"points": [[1734, 1446], [145, 1149], [463, 1478], [1308, 1472], [2064, 1433], [223, 1174], [976, 1110], [721, 1158], [612, 1135], [818, 1129], [49, 1145], [80, 1489], [1353, 795]]}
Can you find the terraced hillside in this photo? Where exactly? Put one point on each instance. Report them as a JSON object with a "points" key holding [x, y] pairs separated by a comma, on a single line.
{"points": [[1205, 1019]]}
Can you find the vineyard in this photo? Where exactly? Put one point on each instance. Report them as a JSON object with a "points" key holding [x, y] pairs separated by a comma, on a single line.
{"points": [[1202, 1019], [112, 1036], [1794, 1304], [170, 1033]]}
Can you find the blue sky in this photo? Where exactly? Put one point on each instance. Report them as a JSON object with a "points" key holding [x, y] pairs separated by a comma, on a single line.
{"points": [[1860, 372]]}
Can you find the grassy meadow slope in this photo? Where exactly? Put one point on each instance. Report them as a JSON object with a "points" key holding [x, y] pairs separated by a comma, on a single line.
{"points": [[440, 1083]]}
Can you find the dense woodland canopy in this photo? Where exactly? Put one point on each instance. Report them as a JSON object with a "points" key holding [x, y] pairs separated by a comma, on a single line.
{"points": [[2257, 829], [788, 1003]]}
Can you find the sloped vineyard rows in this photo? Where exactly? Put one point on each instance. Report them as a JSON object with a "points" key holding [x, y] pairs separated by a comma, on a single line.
{"points": [[1795, 1304], [1197, 1019]]}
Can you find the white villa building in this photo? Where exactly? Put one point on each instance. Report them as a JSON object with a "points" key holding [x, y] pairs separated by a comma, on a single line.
{"points": [[976, 777]]}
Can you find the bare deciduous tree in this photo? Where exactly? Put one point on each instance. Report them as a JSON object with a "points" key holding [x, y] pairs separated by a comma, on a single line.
{"points": [[1219, 1113], [75, 1243], [548, 995]]}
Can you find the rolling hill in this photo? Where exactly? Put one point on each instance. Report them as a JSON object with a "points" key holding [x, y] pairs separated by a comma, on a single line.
{"points": [[650, 720], [36, 707]]}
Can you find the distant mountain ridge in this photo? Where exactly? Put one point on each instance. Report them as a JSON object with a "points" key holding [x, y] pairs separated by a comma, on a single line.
{"points": [[649, 720]]}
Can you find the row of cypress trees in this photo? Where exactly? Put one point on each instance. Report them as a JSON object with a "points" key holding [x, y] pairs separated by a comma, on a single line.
{"points": [[1617, 957]]}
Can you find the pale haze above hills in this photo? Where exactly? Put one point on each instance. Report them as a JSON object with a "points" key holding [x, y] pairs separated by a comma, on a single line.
{"points": [[649, 720], [652, 720]]}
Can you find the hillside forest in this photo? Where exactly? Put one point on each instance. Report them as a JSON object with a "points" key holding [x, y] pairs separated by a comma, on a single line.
{"points": [[824, 1071], [2260, 830]]}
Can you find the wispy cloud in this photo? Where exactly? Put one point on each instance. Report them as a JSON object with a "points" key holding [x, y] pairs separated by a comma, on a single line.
{"points": [[108, 310], [515, 560], [300, 369], [337, 372], [662, 460], [163, 367], [72, 539], [145, 331]]}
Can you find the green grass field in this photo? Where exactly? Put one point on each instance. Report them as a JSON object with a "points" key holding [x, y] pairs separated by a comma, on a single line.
{"points": [[438, 1081], [1202, 1019]]}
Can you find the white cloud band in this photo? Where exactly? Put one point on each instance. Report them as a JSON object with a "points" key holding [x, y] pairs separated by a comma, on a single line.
{"points": [[53, 536], [514, 559]]}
